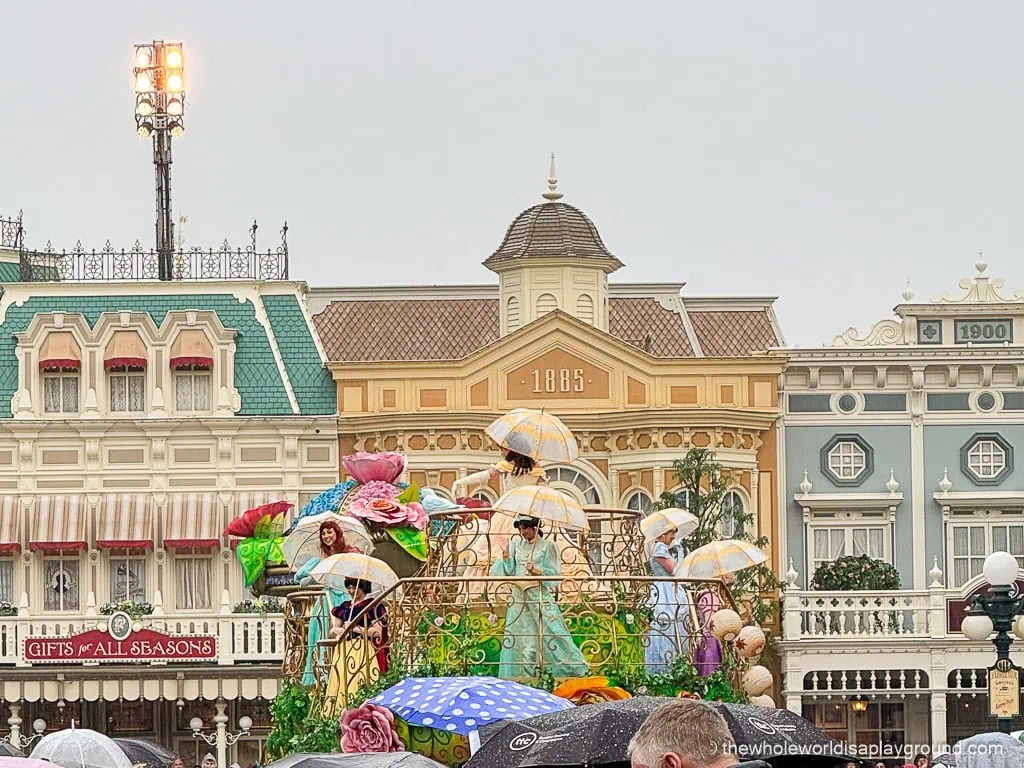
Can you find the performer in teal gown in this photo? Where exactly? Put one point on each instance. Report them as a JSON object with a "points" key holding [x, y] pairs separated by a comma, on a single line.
{"points": [[332, 542], [535, 632]]}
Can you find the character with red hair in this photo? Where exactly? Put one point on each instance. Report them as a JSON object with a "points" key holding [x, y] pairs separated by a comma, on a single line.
{"points": [[332, 542]]}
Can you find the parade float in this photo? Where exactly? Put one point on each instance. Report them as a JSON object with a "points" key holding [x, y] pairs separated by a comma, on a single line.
{"points": [[386, 583]]}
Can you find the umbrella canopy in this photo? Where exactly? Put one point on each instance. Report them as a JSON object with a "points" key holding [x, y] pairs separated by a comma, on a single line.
{"points": [[986, 750], [361, 760], [142, 752], [332, 571], [719, 558], [80, 748], [661, 521], [303, 542], [9, 750], [599, 734], [544, 503], [16, 761], [463, 704], [536, 434]]}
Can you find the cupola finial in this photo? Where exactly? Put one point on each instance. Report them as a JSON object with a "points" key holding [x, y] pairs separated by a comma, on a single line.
{"points": [[552, 194]]}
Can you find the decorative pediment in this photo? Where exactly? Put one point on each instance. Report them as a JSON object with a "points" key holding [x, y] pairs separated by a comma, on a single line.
{"points": [[557, 374], [981, 289]]}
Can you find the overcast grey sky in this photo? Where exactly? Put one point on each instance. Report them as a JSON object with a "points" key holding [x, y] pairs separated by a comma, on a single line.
{"points": [[823, 152]]}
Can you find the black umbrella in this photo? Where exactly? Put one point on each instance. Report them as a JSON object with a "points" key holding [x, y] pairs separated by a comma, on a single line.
{"points": [[599, 735], [772, 734], [9, 750], [142, 752], [360, 760]]}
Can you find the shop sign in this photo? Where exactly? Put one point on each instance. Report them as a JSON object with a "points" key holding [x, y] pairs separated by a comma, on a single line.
{"points": [[1004, 690], [119, 643]]}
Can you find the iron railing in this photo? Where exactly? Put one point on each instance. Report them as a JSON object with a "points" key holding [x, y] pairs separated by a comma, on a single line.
{"points": [[136, 263], [12, 233]]}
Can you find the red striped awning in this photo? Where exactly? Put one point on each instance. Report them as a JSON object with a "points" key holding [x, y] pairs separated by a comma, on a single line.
{"points": [[10, 541], [193, 522], [59, 524], [191, 349], [60, 352], [125, 350], [125, 522]]}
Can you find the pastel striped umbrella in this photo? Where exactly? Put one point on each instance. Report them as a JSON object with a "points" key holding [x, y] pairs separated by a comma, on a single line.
{"points": [[719, 558], [544, 503], [661, 521], [536, 434], [332, 571]]}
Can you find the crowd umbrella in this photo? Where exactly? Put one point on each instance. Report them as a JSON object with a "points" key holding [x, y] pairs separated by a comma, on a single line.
{"points": [[80, 748], [145, 753], [356, 760]]}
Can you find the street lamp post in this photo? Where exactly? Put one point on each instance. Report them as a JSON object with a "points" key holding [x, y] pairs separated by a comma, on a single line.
{"points": [[159, 73], [15, 739], [219, 738], [999, 612]]}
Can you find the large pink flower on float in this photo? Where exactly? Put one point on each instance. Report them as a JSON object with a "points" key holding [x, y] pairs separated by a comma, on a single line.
{"points": [[367, 467], [376, 489], [371, 728], [389, 513]]}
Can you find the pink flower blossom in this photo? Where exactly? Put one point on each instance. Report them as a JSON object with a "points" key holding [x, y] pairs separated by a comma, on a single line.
{"points": [[367, 467], [371, 728], [416, 516], [376, 489]]}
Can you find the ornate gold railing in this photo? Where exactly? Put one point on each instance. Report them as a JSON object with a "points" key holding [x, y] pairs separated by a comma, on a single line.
{"points": [[514, 628]]}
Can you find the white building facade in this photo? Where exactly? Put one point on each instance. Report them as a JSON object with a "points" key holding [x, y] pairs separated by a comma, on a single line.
{"points": [[901, 445]]}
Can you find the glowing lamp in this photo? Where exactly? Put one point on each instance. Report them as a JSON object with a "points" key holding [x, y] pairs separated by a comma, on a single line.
{"points": [[859, 704], [175, 83], [976, 626], [245, 723], [143, 57], [143, 83], [1000, 569], [144, 107], [173, 58], [175, 107]]}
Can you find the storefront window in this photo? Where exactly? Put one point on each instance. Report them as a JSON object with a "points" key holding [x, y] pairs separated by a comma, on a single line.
{"points": [[192, 582], [6, 580], [60, 584], [128, 579]]}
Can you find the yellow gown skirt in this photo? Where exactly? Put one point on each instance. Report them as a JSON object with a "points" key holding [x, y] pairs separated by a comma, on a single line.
{"points": [[354, 665]]}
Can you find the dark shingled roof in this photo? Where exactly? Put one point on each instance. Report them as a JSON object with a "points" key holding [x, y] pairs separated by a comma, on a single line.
{"points": [[451, 329], [733, 333], [552, 229]]}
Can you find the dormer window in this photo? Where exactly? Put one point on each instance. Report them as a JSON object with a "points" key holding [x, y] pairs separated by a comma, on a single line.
{"points": [[125, 361], [60, 361], [192, 361]]}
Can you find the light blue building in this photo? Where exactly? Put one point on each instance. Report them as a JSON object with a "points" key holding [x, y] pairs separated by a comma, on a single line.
{"points": [[902, 445]]}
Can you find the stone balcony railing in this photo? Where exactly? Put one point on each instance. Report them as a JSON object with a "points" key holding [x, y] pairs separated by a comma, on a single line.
{"points": [[238, 638], [820, 617]]}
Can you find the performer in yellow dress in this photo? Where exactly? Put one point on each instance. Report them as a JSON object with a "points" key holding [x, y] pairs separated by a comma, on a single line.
{"points": [[362, 656]]}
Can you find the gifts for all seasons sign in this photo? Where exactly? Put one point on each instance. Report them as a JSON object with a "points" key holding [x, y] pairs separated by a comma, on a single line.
{"points": [[120, 643]]}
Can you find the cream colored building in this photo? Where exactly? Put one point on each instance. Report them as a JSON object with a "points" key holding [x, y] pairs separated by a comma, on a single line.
{"points": [[640, 372]]}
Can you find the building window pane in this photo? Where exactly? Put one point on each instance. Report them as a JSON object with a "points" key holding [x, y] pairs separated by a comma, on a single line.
{"points": [[192, 391], [732, 510], [60, 585], [7, 581], [128, 579], [127, 392], [973, 543], [639, 501], [60, 393], [847, 460], [192, 583], [986, 459]]}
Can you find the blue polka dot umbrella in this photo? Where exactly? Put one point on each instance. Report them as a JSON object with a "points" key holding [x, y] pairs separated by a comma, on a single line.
{"points": [[463, 704]]}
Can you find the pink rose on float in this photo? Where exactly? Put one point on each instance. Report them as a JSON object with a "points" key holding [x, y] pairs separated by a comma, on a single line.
{"points": [[367, 467], [416, 516], [386, 512], [371, 728]]}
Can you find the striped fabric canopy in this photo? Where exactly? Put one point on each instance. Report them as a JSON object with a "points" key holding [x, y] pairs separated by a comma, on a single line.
{"points": [[59, 524], [192, 521], [125, 522], [9, 517]]}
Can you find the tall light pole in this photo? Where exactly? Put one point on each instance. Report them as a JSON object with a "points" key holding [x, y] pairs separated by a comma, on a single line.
{"points": [[159, 73], [1000, 612]]}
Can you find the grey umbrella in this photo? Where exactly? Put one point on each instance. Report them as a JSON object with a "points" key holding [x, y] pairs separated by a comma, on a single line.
{"points": [[142, 752], [9, 750], [986, 750], [361, 760]]}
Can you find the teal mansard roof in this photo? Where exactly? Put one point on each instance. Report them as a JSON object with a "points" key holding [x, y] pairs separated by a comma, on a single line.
{"points": [[278, 364]]}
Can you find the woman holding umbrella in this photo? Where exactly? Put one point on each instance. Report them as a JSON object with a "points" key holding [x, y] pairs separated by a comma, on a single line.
{"points": [[533, 616], [331, 540], [667, 637]]}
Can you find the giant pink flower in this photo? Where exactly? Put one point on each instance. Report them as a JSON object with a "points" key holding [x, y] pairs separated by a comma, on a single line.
{"points": [[376, 489], [367, 467], [386, 512], [371, 728], [416, 515]]}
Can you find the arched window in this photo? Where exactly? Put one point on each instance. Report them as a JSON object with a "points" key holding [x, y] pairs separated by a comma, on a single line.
{"points": [[575, 483], [512, 313], [683, 497], [639, 501], [585, 309], [732, 510], [483, 495], [546, 303]]}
